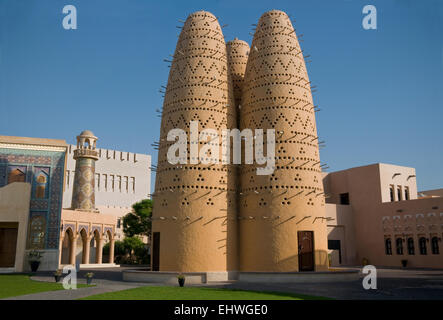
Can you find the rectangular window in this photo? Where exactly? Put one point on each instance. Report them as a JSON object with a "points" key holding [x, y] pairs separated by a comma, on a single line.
{"points": [[112, 182], [119, 183], [98, 180], [105, 177], [344, 198], [391, 193], [406, 193], [399, 195], [127, 184], [119, 221], [67, 178], [133, 184]]}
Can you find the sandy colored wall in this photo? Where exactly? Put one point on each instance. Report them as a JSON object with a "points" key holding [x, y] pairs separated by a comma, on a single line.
{"points": [[341, 227], [14, 207], [399, 177], [435, 193], [418, 218], [88, 217]]}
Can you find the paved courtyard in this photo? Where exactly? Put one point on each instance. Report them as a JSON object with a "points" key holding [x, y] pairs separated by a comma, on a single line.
{"points": [[392, 284]]}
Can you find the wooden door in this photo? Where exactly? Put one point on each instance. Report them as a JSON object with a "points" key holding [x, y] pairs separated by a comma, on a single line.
{"points": [[8, 244], [156, 251], [305, 250]]}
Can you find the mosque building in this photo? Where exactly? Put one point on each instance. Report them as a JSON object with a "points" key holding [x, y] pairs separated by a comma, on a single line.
{"points": [[33, 178]]}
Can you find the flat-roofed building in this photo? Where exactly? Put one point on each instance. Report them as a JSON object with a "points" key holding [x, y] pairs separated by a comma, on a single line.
{"points": [[375, 216]]}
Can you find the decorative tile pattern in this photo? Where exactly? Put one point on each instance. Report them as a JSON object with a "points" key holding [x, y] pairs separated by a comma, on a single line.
{"points": [[50, 162], [83, 193]]}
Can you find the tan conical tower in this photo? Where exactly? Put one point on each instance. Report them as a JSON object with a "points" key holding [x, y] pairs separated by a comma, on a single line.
{"points": [[238, 52], [194, 215], [275, 208]]}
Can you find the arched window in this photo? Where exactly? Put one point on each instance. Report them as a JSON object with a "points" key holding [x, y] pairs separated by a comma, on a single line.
{"points": [[399, 245], [37, 232], [434, 246], [423, 247], [411, 248], [40, 188], [388, 246], [16, 175]]}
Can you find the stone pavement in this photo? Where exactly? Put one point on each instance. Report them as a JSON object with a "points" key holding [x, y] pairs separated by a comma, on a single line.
{"points": [[392, 284]]}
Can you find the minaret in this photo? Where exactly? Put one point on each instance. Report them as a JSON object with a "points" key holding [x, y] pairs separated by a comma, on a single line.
{"points": [[194, 214], [83, 195], [283, 225]]}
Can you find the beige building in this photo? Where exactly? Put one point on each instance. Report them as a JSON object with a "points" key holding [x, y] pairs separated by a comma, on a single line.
{"points": [[375, 214]]}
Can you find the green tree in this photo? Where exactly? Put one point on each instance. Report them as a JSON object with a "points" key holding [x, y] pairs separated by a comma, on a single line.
{"points": [[130, 250], [138, 222], [133, 244]]}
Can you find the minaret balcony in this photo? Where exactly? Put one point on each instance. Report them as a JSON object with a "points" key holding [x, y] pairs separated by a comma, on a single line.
{"points": [[86, 153]]}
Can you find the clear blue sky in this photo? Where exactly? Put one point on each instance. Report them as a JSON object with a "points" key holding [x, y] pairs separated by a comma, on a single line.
{"points": [[380, 91]]}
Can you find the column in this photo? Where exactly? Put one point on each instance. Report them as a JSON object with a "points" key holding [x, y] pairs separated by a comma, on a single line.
{"points": [[86, 250], [111, 250], [72, 252], [60, 251], [99, 252]]}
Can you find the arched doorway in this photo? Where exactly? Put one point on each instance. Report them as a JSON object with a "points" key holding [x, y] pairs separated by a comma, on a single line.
{"points": [[96, 248], [109, 256], [67, 246]]}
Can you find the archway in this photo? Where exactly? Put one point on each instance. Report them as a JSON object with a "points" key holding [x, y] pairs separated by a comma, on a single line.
{"points": [[109, 256], [96, 248], [67, 246], [85, 247]]}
